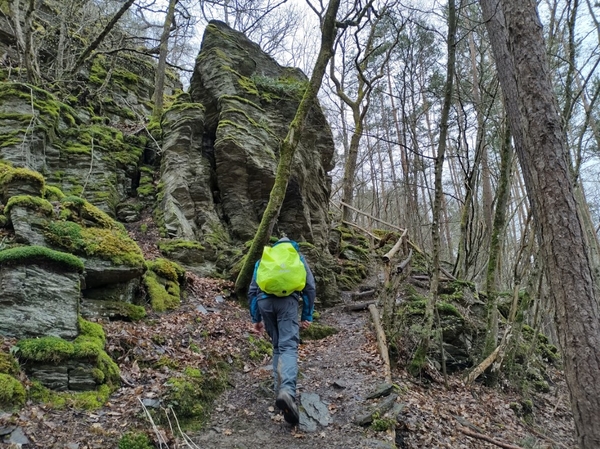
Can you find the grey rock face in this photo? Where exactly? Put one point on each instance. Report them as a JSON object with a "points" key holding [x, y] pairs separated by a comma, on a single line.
{"points": [[28, 226], [249, 102], [187, 175], [37, 300], [70, 375], [100, 272]]}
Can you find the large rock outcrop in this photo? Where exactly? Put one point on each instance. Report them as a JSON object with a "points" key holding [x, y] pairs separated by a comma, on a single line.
{"points": [[220, 159]]}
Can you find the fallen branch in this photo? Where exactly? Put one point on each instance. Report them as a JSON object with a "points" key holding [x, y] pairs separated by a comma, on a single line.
{"points": [[380, 409], [483, 365], [480, 436], [372, 217], [545, 437], [369, 233], [381, 342], [363, 294], [388, 256]]}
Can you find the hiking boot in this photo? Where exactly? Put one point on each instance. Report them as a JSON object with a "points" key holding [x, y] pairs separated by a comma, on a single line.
{"points": [[286, 404]]}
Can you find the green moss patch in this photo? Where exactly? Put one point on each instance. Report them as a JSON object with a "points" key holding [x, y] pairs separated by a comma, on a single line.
{"points": [[32, 254], [9, 174], [53, 193], [163, 294], [171, 245], [86, 400], [192, 393], [30, 202], [167, 269], [317, 331], [135, 440], [110, 244], [259, 348], [162, 282], [12, 392], [8, 364]]}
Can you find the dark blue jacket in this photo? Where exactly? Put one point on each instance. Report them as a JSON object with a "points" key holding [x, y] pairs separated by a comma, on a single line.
{"points": [[308, 294]]}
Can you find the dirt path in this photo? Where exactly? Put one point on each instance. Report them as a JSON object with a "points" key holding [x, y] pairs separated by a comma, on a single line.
{"points": [[341, 369]]}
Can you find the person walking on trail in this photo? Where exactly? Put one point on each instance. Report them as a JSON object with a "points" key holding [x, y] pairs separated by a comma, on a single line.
{"points": [[281, 277]]}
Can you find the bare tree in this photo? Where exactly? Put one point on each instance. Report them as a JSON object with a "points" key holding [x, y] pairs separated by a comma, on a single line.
{"points": [[376, 53]]}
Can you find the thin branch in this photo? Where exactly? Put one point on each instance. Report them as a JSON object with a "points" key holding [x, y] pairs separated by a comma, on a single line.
{"points": [[483, 437]]}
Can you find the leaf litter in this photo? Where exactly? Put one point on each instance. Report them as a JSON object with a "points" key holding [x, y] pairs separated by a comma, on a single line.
{"points": [[342, 369]]}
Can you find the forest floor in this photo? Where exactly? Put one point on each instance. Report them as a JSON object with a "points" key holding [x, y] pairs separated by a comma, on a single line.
{"points": [[341, 369]]}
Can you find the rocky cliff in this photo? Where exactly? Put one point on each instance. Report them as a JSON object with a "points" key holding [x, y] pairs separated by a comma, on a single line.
{"points": [[82, 170]]}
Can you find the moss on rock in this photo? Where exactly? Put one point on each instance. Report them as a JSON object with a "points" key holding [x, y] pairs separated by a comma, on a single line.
{"points": [[171, 245], [88, 346], [32, 254], [163, 295], [110, 244], [30, 202], [86, 400], [167, 269], [8, 364], [12, 392], [9, 174], [52, 193]]}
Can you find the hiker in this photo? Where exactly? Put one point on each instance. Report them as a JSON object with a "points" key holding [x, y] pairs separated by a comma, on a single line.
{"points": [[277, 312]]}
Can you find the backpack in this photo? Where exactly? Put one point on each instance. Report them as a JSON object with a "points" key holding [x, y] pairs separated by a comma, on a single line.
{"points": [[281, 271]]}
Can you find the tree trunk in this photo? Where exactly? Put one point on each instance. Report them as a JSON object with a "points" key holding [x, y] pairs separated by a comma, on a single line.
{"points": [[518, 46], [288, 148], [159, 84], [421, 353], [493, 267]]}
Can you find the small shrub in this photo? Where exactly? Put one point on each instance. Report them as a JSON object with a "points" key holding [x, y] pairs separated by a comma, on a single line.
{"points": [[135, 440]]}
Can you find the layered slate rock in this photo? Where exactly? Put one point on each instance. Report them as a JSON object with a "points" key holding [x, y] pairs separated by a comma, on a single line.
{"points": [[248, 103], [40, 293], [186, 174]]}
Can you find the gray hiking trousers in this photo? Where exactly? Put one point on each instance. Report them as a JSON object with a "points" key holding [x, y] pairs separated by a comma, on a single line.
{"points": [[280, 316]]}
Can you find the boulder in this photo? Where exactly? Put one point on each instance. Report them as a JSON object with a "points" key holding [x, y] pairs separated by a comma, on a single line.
{"points": [[28, 225], [38, 299]]}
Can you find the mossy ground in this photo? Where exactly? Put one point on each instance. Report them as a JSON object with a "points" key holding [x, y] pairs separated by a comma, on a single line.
{"points": [[191, 393], [317, 331], [135, 440]]}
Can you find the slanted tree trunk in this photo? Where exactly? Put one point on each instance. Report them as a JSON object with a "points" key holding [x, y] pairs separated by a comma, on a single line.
{"points": [[518, 46], [96, 43], [288, 148]]}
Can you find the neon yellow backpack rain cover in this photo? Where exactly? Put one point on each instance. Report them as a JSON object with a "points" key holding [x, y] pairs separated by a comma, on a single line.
{"points": [[281, 271]]}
